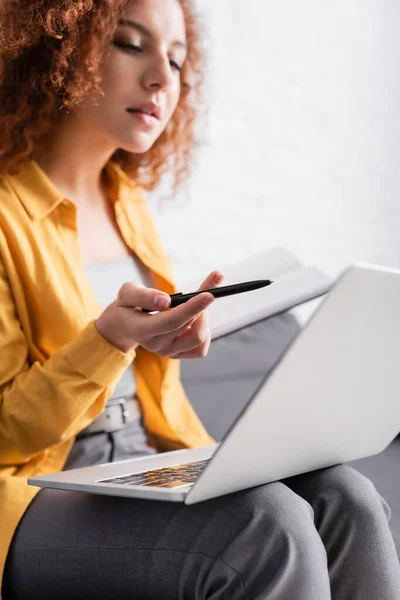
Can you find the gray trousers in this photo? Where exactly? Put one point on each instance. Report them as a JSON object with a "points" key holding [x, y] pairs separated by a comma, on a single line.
{"points": [[318, 536]]}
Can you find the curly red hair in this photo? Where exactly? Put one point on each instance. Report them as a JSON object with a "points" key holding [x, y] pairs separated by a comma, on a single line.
{"points": [[50, 54]]}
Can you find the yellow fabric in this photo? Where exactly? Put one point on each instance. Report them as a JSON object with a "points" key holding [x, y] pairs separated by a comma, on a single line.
{"points": [[56, 370]]}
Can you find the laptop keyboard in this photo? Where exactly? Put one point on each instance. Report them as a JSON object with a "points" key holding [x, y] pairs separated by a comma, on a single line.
{"points": [[167, 477]]}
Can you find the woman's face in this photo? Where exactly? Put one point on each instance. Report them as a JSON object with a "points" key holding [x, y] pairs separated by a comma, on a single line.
{"points": [[140, 75]]}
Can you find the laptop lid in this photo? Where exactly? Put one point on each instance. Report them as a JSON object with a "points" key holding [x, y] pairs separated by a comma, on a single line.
{"points": [[332, 397]]}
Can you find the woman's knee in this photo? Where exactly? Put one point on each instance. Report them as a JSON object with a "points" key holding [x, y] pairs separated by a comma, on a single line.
{"points": [[360, 495], [270, 515], [273, 539], [346, 489]]}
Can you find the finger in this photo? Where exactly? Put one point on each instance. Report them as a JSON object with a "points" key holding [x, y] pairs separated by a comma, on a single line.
{"points": [[133, 295], [199, 352], [179, 317], [137, 295], [193, 335], [196, 327], [190, 339], [214, 279], [166, 339]]}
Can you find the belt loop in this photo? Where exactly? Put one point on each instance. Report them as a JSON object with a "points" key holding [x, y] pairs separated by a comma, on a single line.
{"points": [[124, 410]]}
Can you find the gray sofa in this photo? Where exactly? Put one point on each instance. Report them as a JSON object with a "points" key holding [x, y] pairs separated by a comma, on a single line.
{"points": [[220, 384]]}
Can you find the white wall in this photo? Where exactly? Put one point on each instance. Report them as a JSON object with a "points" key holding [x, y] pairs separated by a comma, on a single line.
{"points": [[302, 147]]}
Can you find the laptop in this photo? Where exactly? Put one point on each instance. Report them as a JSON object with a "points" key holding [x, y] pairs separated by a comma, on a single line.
{"points": [[333, 396]]}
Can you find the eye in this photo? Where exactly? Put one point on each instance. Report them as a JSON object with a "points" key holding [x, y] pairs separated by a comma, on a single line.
{"points": [[133, 49], [128, 47], [175, 65]]}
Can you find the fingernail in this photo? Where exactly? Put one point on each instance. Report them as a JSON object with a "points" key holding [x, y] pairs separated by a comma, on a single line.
{"points": [[218, 277], [161, 301]]}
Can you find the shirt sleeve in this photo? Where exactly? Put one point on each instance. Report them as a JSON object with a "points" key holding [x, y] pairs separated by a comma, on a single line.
{"points": [[44, 404]]}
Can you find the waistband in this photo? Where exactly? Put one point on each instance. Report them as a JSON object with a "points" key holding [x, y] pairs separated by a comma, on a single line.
{"points": [[118, 413]]}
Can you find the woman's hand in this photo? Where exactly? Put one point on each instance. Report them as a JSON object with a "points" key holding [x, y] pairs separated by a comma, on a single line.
{"points": [[181, 332]]}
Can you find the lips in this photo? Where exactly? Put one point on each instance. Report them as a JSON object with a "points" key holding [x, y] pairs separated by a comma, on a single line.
{"points": [[149, 109]]}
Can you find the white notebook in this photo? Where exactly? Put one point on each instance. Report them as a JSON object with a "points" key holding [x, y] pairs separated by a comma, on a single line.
{"points": [[294, 283]]}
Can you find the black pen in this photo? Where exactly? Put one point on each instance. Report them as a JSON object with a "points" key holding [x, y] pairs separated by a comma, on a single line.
{"points": [[219, 292]]}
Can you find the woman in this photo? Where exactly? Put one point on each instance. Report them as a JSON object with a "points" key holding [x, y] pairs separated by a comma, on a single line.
{"points": [[97, 100]]}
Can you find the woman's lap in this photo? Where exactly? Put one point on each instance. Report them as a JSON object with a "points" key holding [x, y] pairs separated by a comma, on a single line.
{"points": [[91, 546], [103, 545]]}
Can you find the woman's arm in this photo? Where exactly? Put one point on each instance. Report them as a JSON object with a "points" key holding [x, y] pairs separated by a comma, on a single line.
{"points": [[44, 404]]}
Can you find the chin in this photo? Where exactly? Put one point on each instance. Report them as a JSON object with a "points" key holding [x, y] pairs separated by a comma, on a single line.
{"points": [[137, 142], [136, 147]]}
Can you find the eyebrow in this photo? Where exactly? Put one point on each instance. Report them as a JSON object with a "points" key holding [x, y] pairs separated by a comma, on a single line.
{"points": [[146, 31]]}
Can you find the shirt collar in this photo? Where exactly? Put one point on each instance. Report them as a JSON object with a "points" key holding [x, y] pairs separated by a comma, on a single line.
{"points": [[35, 190], [40, 197]]}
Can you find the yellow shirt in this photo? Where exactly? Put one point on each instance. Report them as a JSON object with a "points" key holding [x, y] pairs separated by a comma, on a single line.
{"points": [[56, 370]]}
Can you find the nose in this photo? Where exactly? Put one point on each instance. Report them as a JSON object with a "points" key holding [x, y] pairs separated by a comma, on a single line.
{"points": [[158, 75]]}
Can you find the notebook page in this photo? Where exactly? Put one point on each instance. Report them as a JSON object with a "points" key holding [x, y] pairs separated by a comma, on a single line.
{"points": [[288, 290]]}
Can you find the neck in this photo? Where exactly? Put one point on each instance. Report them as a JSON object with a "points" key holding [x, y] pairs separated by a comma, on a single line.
{"points": [[74, 160]]}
